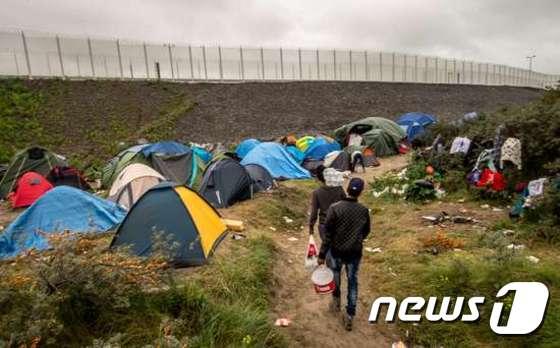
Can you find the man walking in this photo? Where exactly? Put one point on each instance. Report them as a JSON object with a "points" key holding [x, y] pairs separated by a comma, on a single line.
{"points": [[346, 226], [330, 192]]}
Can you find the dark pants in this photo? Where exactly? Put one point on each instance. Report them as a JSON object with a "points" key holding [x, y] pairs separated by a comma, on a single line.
{"points": [[352, 265], [322, 232]]}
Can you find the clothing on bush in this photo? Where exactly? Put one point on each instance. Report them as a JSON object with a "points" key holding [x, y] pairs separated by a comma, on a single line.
{"points": [[511, 151], [460, 144], [494, 180], [536, 187]]}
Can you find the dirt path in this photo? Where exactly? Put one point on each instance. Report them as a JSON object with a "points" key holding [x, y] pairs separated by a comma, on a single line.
{"points": [[312, 324]]}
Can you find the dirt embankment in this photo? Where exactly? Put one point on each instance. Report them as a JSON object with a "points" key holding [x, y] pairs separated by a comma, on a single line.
{"points": [[75, 111]]}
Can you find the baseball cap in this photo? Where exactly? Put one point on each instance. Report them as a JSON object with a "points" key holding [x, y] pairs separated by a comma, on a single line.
{"points": [[355, 187]]}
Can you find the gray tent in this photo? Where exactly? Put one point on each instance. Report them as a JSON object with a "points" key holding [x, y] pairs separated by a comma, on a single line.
{"points": [[226, 182], [261, 178], [176, 168]]}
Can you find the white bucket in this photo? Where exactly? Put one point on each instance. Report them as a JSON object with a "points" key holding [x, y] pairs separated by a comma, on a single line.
{"points": [[323, 280]]}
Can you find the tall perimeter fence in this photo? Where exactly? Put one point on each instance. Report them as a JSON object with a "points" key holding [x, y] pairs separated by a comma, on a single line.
{"points": [[40, 55]]}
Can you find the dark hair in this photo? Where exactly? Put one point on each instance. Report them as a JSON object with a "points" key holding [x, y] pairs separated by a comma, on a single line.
{"points": [[320, 169]]}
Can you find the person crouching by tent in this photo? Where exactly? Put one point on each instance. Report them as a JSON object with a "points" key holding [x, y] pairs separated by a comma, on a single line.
{"points": [[346, 226]]}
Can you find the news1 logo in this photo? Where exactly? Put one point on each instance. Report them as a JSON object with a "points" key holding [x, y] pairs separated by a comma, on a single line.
{"points": [[525, 316]]}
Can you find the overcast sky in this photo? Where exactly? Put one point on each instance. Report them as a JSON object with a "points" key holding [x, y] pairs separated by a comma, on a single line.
{"points": [[496, 31]]}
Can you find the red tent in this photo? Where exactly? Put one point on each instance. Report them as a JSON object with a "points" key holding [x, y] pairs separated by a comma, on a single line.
{"points": [[28, 189]]}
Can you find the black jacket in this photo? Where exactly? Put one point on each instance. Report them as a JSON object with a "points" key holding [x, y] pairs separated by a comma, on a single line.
{"points": [[347, 225]]}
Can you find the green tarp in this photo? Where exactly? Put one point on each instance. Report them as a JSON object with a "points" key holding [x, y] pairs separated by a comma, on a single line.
{"points": [[381, 134]]}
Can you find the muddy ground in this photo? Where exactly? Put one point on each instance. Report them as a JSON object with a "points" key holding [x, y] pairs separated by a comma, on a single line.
{"points": [[229, 112]]}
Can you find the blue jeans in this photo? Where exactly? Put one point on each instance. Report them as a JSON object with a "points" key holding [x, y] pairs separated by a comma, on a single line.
{"points": [[352, 266]]}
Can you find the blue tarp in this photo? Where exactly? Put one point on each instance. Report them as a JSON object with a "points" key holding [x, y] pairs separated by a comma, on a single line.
{"points": [[166, 148], [245, 147], [296, 153], [320, 147], [414, 123], [274, 158], [63, 208]]}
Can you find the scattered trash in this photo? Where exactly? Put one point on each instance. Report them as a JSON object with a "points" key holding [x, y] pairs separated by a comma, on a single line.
{"points": [[282, 322], [443, 216], [533, 259], [463, 211], [392, 273], [292, 239], [287, 220], [508, 232], [497, 209], [372, 250], [485, 206], [516, 246], [234, 225], [457, 250], [238, 236], [272, 229], [462, 200], [399, 344]]}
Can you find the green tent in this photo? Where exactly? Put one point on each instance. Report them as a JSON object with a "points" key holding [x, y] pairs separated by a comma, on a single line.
{"points": [[119, 162], [36, 159], [381, 134]]}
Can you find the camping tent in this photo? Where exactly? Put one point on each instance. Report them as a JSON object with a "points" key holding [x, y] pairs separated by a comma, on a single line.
{"points": [[304, 142], [320, 147], [120, 161], [245, 147], [260, 177], [132, 183], [176, 215], [225, 182], [339, 160], [274, 158], [296, 154], [415, 123], [63, 208], [28, 189], [379, 133], [68, 176], [34, 159]]}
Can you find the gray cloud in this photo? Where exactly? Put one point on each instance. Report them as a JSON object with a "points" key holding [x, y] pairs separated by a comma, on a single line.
{"points": [[499, 31]]}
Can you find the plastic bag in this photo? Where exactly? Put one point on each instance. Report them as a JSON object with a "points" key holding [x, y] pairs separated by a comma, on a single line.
{"points": [[311, 254]]}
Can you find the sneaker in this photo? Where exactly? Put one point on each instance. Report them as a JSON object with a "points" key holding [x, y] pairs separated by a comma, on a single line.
{"points": [[335, 305], [347, 321]]}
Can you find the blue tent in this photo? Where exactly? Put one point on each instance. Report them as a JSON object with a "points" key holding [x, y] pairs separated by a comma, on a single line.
{"points": [[320, 147], [245, 147], [414, 123], [166, 148], [63, 208], [204, 155], [296, 153], [274, 158]]}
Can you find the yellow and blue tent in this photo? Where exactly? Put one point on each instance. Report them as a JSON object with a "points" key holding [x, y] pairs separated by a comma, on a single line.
{"points": [[185, 221]]}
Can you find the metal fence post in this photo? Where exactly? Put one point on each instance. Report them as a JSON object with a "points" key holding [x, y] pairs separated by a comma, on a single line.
{"points": [[242, 64], [120, 58], [220, 63], [171, 61], [16, 62], [436, 77], [146, 60], [59, 50], [90, 52], [262, 63], [405, 68], [105, 66], [131, 70], [281, 64], [351, 66], [472, 73], [26, 51], [366, 65], [426, 69], [334, 64], [204, 62], [299, 61], [393, 68], [446, 79], [416, 68], [78, 65], [48, 64], [318, 66], [380, 66], [191, 65]]}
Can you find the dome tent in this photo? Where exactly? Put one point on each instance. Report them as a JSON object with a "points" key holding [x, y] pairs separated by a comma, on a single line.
{"points": [[132, 183], [260, 177], [29, 188], [276, 160], [35, 159], [415, 123], [225, 182], [177, 214], [381, 134], [320, 147], [63, 208], [245, 147]]}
